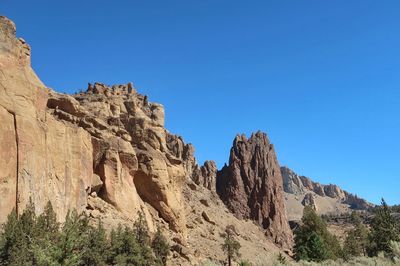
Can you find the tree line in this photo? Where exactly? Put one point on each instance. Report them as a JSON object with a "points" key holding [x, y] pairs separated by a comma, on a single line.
{"points": [[313, 241], [41, 240]]}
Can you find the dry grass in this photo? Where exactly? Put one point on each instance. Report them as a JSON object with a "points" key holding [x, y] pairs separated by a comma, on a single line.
{"points": [[366, 261]]}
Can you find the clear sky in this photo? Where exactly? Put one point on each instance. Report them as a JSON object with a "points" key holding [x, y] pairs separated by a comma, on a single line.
{"points": [[322, 78]]}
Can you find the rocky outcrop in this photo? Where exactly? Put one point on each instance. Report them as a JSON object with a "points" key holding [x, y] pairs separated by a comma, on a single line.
{"points": [[357, 203], [206, 175], [138, 161], [295, 184], [302, 186], [109, 140], [309, 200], [251, 186]]}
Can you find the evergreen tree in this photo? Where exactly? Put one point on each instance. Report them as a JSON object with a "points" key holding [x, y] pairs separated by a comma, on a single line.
{"points": [[8, 237], [98, 247], [160, 247], [383, 230], [357, 239], [25, 236], [45, 248], [141, 232], [125, 249], [74, 238], [230, 246], [313, 242], [31, 240]]}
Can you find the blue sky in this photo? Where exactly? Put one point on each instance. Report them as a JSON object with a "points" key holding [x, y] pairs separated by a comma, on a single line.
{"points": [[320, 77]]}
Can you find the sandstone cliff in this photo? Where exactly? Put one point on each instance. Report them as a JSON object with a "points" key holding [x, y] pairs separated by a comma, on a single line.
{"points": [[251, 186]]}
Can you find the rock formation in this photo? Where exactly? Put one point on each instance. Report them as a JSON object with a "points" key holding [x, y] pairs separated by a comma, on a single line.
{"points": [[206, 175], [41, 158], [251, 186], [109, 140], [309, 200], [301, 186], [106, 152]]}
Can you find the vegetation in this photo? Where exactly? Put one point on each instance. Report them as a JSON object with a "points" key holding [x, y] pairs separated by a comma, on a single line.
{"points": [[356, 242], [313, 242], [230, 246], [384, 230], [281, 259], [40, 240], [32, 240], [379, 241], [160, 247]]}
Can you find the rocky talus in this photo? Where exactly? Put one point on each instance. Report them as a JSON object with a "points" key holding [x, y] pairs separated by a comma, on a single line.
{"points": [[251, 186]]}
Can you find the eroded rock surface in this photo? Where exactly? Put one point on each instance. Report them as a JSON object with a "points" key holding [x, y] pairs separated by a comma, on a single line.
{"points": [[309, 200], [42, 158], [206, 175], [251, 186], [301, 185], [109, 140]]}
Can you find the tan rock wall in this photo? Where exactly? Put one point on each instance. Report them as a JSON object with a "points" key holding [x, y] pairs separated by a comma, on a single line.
{"points": [[54, 159], [8, 164]]}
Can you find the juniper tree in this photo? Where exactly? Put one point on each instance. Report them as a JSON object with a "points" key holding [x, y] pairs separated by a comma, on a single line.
{"points": [[230, 246], [313, 242], [356, 242], [25, 236], [8, 237], [125, 250], [160, 247], [98, 246], [74, 237], [141, 232], [384, 229], [45, 248]]}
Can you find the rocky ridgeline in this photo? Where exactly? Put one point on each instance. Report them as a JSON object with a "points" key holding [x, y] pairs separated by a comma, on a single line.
{"points": [[106, 152], [300, 185]]}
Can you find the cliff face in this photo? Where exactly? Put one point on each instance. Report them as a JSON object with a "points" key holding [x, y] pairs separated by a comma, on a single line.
{"points": [[331, 198], [251, 186], [41, 157], [108, 140]]}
